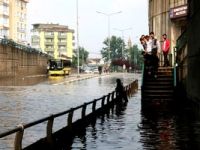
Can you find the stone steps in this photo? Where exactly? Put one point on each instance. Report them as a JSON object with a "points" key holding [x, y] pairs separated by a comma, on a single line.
{"points": [[160, 88]]}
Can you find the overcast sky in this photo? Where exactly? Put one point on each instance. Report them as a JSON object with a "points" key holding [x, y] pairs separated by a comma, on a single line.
{"points": [[93, 27]]}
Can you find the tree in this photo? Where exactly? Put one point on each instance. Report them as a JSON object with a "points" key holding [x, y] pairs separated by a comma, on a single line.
{"points": [[83, 56], [116, 46], [135, 57]]}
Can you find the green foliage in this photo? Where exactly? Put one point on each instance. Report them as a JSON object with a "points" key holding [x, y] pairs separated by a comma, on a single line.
{"points": [[83, 56], [132, 55], [135, 57], [116, 46]]}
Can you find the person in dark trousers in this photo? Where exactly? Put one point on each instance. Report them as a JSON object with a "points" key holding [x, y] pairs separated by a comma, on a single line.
{"points": [[120, 92], [165, 49], [154, 53]]}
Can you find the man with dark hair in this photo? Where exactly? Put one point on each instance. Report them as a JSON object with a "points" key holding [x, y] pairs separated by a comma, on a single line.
{"points": [[154, 50], [165, 49]]}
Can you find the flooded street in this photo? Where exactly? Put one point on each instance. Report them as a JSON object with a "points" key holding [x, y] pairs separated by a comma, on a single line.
{"points": [[130, 129], [23, 104], [137, 129]]}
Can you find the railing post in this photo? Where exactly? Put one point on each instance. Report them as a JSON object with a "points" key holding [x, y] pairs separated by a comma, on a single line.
{"points": [[113, 94], [50, 130], [108, 98], [83, 110], [18, 138], [70, 117], [102, 102], [94, 106]]}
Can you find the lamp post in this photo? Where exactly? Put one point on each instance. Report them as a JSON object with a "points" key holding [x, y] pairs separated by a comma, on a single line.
{"points": [[109, 15], [77, 30], [122, 30]]}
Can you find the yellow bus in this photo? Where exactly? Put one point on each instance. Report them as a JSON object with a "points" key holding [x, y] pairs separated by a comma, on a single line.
{"points": [[59, 67]]}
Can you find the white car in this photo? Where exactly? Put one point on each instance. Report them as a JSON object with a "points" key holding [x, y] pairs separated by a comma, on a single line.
{"points": [[88, 71], [95, 71]]}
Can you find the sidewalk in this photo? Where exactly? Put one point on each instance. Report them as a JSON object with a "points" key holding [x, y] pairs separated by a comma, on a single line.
{"points": [[82, 76]]}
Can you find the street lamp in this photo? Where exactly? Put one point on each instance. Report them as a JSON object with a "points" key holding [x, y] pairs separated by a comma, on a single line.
{"points": [[122, 30], [77, 30], [109, 15]]}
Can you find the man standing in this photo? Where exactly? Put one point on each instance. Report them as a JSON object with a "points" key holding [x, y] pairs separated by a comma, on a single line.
{"points": [[155, 44], [154, 52], [165, 49]]}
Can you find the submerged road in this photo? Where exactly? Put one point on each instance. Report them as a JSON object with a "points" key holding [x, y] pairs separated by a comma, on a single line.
{"points": [[129, 129], [24, 103]]}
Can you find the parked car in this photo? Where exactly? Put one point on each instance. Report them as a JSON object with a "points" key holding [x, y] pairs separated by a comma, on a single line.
{"points": [[95, 70], [88, 70]]}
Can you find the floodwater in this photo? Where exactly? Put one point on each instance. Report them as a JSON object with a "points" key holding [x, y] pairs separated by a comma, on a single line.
{"points": [[26, 102], [129, 129]]}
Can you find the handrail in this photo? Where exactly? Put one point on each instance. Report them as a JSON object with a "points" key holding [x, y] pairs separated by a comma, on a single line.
{"points": [[174, 69], [46, 119], [130, 89]]}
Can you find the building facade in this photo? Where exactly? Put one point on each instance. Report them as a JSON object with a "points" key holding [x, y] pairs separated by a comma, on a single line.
{"points": [[180, 20], [54, 39], [13, 18], [168, 16]]}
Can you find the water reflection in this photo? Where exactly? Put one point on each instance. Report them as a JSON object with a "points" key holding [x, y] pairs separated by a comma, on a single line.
{"points": [[22, 81], [149, 129], [24, 103], [169, 129]]}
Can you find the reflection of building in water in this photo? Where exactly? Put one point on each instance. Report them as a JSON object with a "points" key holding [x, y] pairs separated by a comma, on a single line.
{"points": [[54, 39], [21, 81]]}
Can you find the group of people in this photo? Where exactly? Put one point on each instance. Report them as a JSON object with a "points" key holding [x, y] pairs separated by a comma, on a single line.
{"points": [[151, 50]]}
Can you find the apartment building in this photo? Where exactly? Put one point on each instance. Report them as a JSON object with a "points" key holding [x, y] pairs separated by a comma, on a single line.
{"points": [[4, 18], [54, 39], [168, 16], [13, 18]]}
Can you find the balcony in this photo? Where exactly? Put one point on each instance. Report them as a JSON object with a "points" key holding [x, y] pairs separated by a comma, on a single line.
{"points": [[5, 2], [49, 49], [62, 36], [22, 30], [63, 43], [26, 1], [35, 42], [62, 50], [49, 35], [5, 26], [49, 43], [5, 14]]}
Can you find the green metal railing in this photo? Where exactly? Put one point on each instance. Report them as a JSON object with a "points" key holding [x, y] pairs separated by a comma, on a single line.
{"points": [[104, 102]]}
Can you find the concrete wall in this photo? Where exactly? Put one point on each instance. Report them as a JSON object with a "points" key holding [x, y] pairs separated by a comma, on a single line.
{"points": [[193, 78], [18, 62]]}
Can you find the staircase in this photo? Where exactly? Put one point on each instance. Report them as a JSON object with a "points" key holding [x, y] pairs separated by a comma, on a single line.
{"points": [[158, 90]]}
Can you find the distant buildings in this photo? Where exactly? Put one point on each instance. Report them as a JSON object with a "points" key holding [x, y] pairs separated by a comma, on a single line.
{"points": [[13, 17], [54, 39]]}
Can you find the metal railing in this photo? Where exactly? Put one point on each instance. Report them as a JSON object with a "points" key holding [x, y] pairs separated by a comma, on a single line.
{"points": [[26, 48], [105, 101], [161, 59]]}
